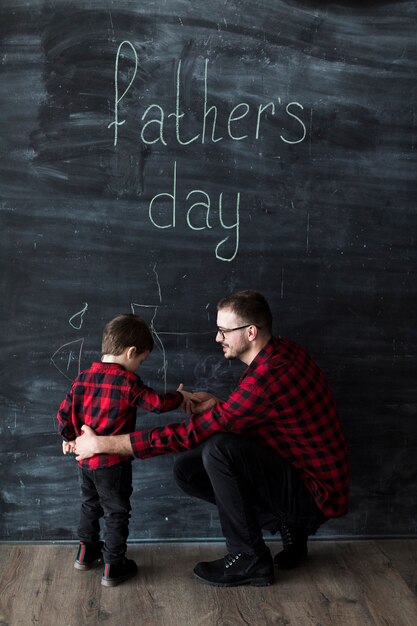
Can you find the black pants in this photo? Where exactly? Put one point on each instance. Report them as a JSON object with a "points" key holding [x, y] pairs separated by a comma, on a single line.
{"points": [[106, 492], [253, 489]]}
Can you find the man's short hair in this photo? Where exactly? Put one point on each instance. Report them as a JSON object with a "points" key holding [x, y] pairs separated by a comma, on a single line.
{"points": [[250, 306], [126, 331]]}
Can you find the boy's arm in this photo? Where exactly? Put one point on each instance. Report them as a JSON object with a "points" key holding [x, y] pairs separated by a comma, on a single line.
{"points": [[149, 400], [65, 427], [146, 398]]}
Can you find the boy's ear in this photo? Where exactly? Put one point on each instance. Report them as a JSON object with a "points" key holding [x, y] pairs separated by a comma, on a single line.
{"points": [[131, 352]]}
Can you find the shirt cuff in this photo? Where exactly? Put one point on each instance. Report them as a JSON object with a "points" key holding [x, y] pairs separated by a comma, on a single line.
{"points": [[140, 444]]}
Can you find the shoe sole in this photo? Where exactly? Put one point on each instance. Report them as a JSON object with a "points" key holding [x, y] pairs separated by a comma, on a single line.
{"points": [[108, 582], [83, 567], [254, 582]]}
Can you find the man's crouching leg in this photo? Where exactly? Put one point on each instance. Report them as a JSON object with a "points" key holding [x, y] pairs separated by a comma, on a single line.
{"points": [[249, 561]]}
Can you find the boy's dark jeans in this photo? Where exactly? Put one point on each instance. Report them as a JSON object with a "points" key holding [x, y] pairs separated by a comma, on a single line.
{"points": [[106, 493], [252, 487]]}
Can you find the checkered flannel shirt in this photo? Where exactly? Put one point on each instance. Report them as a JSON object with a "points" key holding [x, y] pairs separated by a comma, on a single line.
{"points": [[106, 397], [283, 401]]}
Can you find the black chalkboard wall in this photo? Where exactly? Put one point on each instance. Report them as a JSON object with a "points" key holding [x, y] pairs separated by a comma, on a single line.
{"points": [[158, 155]]}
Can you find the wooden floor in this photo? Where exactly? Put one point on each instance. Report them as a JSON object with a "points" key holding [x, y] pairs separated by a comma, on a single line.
{"points": [[357, 583]]}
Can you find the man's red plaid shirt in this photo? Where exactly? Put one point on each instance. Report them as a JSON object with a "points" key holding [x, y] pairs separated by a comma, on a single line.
{"points": [[106, 397], [283, 402]]}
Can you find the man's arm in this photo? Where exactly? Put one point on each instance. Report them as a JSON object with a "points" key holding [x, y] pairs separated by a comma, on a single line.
{"points": [[89, 444], [246, 407], [237, 414]]}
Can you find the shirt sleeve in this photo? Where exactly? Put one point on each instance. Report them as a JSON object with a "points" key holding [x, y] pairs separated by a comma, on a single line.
{"points": [[149, 400], [64, 417], [237, 414]]}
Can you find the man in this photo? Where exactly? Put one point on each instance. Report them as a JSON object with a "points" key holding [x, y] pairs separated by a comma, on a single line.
{"points": [[273, 456]]}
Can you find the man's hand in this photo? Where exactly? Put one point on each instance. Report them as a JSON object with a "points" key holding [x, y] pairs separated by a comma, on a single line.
{"points": [[206, 401], [86, 444], [189, 400]]}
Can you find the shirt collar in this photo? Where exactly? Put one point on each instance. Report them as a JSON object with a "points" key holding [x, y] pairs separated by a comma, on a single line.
{"points": [[263, 355], [99, 365]]}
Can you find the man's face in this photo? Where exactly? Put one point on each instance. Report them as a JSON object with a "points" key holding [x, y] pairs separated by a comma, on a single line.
{"points": [[235, 344]]}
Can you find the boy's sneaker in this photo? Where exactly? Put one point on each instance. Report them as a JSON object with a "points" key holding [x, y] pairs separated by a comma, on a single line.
{"points": [[115, 573], [88, 555]]}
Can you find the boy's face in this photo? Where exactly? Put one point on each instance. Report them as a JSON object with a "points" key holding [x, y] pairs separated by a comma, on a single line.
{"points": [[136, 360]]}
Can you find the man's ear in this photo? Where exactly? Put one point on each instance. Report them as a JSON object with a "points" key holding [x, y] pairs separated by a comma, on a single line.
{"points": [[252, 333], [131, 352]]}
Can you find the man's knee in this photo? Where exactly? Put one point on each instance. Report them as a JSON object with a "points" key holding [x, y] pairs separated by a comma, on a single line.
{"points": [[219, 448], [188, 468]]}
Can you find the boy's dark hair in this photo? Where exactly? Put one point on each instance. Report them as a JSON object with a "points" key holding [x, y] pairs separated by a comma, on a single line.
{"points": [[125, 331], [250, 306]]}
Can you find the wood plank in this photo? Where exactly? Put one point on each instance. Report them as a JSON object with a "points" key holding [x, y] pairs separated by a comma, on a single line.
{"points": [[369, 577], [403, 556], [342, 584]]}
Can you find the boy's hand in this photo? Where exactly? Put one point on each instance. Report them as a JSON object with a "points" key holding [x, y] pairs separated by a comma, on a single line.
{"points": [[68, 447], [197, 401], [189, 400]]}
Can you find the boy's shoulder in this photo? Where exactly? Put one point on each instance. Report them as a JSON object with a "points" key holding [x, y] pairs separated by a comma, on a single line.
{"points": [[99, 371]]}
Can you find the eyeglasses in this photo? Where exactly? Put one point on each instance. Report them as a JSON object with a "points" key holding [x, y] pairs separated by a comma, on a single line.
{"points": [[223, 331]]}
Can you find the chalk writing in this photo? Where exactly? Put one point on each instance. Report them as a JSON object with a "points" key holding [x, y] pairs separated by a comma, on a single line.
{"points": [[76, 321], [156, 120], [117, 100], [158, 340], [163, 207], [200, 214], [68, 355], [159, 343]]}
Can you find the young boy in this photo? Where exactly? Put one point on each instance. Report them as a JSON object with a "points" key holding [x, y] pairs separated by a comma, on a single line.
{"points": [[106, 396]]}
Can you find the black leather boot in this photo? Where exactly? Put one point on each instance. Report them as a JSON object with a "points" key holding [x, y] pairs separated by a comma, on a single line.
{"points": [[237, 569], [294, 541]]}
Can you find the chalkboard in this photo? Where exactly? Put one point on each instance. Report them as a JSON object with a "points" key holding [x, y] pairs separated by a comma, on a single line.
{"points": [[158, 155]]}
